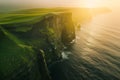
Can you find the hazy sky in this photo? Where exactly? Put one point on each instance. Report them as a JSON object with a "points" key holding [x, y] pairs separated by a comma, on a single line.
{"points": [[63, 3]]}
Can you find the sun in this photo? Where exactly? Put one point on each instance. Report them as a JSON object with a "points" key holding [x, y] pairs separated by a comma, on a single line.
{"points": [[92, 3]]}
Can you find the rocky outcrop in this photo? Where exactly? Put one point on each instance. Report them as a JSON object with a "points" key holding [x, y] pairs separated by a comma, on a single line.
{"points": [[27, 48]]}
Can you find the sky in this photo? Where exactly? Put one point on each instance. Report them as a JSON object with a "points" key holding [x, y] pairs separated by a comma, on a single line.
{"points": [[63, 3]]}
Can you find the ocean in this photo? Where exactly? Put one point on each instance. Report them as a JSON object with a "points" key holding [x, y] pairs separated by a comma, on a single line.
{"points": [[95, 55]]}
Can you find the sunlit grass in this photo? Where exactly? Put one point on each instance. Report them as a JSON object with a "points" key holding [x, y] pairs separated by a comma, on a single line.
{"points": [[34, 15], [25, 15]]}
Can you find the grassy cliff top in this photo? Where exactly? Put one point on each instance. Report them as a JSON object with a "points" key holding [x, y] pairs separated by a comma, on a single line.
{"points": [[27, 15], [34, 15]]}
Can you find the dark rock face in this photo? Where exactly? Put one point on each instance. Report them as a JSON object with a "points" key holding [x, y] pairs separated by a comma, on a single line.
{"points": [[68, 30], [27, 49]]}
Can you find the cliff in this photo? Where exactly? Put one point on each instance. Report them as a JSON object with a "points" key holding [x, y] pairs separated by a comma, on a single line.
{"points": [[27, 48]]}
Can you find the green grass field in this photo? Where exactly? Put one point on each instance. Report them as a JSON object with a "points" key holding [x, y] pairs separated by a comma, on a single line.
{"points": [[25, 15], [33, 15]]}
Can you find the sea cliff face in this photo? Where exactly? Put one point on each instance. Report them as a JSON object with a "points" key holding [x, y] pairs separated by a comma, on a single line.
{"points": [[26, 49]]}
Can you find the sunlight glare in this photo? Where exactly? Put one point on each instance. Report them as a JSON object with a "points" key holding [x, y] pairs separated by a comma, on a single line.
{"points": [[92, 3]]}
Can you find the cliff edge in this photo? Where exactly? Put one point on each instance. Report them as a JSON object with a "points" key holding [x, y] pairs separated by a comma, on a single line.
{"points": [[26, 49]]}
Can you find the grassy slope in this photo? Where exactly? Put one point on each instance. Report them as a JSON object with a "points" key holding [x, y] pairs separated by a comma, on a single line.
{"points": [[37, 14], [28, 15], [9, 46], [25, 15]]}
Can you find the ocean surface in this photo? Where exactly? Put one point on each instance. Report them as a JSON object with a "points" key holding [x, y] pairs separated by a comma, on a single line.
{"points": [[95, 55]]}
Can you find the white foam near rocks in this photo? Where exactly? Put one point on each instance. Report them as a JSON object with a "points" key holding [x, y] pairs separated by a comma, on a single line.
{"points": [[65, 55]]}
